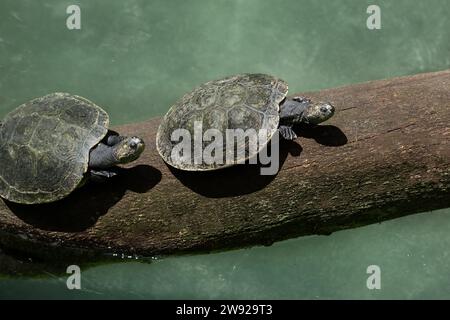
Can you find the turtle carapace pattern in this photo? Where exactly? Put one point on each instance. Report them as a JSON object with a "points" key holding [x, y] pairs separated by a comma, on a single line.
{"points": [[243, 101], [45, 147]]}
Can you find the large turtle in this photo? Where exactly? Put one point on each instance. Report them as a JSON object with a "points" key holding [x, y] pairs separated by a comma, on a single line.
{"points": [[243, 101], [50, 145]]}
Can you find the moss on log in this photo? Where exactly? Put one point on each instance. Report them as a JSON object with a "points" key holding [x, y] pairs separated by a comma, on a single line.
{"points": [[385, 153]]}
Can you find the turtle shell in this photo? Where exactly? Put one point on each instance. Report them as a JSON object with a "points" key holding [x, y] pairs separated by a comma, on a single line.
{"points": [[244, 101], [44, 147]]}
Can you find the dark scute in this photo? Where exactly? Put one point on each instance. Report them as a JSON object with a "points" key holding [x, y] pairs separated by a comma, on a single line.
{"points": [[241, 117], [69, 143], [260, 79], [48, 107], [7, 157], [80, 115], [25, 128], [259, 98], [51, 173], [45, 135], [189, 122], [215, 118], [20, 159], [7, 130], [205, 98], [231, 96]]}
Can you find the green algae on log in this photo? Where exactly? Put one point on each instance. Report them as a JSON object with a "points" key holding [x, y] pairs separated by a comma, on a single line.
{"points": [[385, 154]]}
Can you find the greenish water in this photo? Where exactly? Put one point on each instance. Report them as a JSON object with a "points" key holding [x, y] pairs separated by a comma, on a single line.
{"points": [[135, 58]]}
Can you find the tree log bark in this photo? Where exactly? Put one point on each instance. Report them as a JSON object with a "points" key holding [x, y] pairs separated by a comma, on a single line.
{"points": [[385, 154]]}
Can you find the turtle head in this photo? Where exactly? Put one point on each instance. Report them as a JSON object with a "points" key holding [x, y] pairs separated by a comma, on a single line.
{"points": [[129, 149], [315, 112]]}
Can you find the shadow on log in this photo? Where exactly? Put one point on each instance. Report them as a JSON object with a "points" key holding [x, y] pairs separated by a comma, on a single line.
{"points": [[84, 206], [386, 153]]}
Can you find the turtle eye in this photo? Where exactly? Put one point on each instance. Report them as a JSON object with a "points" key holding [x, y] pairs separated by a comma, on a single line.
{"points": [[133, 145], [323, 109]]}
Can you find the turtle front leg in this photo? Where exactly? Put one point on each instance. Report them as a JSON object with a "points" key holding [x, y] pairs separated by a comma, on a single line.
{"points": [[101, 176], [287, 132]]}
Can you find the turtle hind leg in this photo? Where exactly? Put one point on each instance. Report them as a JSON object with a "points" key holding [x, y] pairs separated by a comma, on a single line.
{"points": [[287, 132]]}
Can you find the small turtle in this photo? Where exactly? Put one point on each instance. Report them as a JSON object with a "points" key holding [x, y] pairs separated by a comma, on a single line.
{"points": [[49, 146], [243, 101]]}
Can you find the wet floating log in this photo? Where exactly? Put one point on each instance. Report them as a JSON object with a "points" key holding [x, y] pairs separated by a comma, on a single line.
{"points": [[386, 153]]}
